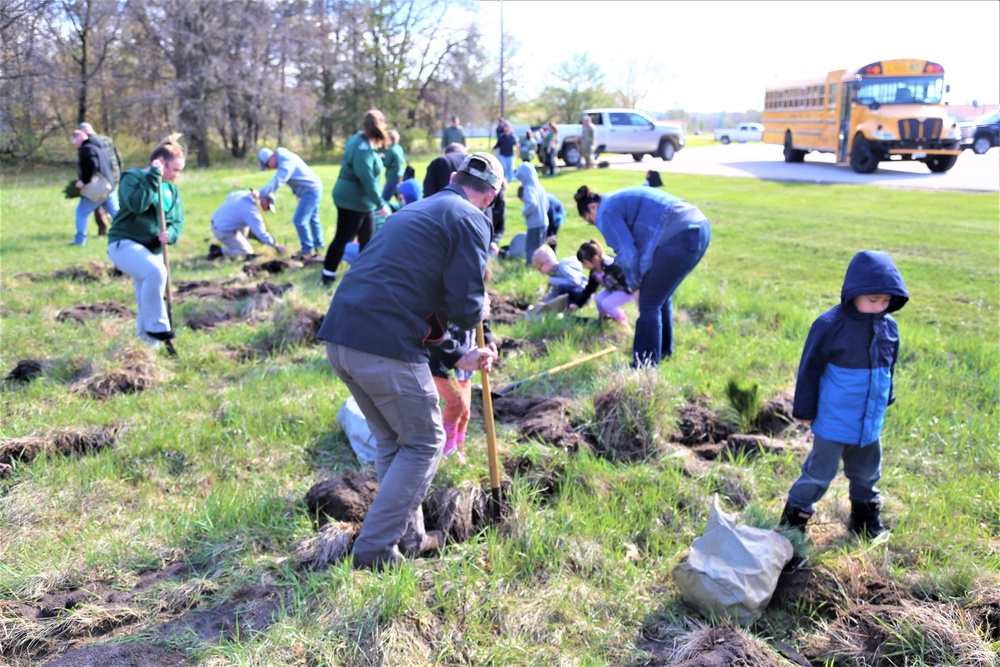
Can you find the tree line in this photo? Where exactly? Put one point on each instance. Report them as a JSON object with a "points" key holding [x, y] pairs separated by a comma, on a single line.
{"points": [[231, 73]]}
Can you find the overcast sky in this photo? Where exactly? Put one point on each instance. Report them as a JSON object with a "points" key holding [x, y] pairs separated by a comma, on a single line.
{"points": [[719, 56]]}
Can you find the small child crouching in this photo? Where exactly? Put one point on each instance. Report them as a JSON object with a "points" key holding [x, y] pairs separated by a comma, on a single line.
{"points": [[604, 272], [844, 385], [565, 277]]}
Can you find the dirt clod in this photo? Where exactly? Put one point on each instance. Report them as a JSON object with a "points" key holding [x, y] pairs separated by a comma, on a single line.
{"points": [[541, 418], [333, 543], [205, 290], [83, 312], [713, 646], [90, 272], [136, 374], [64, 442], [505, 309], [28, 369], [455, 510], [271, 267], [345, 498], [699, 426]]}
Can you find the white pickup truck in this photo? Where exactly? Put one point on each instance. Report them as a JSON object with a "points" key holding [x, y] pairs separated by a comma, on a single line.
{"points": [[745, 132], [622, 131]]}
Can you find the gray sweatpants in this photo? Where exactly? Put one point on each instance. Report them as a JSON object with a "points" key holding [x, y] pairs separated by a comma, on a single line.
{"points": [[400, 403]]}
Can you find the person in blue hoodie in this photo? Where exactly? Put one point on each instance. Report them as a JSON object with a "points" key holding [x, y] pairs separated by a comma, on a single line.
{"points": [[844, 385], [536, 204], [658, 240]]}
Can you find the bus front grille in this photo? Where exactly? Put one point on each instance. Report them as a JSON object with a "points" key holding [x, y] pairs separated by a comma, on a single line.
{"points": [[913, 129]]}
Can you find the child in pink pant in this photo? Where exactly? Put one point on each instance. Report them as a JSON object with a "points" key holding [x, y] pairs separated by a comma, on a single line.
{"points": [[604, 272]]}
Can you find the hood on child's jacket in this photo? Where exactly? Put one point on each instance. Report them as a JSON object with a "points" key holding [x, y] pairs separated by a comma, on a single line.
{"points": [[873, 272], [527, 176], [535, 197]]}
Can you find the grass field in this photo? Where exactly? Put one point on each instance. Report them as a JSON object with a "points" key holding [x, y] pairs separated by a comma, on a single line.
{"points": [[173, 531]]}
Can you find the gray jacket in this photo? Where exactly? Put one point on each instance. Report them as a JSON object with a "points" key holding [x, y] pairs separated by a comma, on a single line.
{"points": [[293, 171], [239, 211], [423, 270]]}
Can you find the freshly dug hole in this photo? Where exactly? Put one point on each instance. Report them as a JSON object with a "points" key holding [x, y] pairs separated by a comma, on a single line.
{"points": [[271, 267], [28, 369], [540, 418]]}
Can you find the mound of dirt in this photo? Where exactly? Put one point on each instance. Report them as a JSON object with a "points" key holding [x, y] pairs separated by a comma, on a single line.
{"points": [[91, 272], [505, 309], [222, 313], [457, 511], [345, 498], [699, 426], [774, 418], [206, 290], [271, 267], [540, 418], [64, 441], [334, 542], [139, 654], [244, 614], [136, 374], [86, 311], [712, 646], [28, 369]]}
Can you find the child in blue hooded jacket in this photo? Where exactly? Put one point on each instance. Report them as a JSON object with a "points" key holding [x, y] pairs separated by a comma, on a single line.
{"points": [[844, 385], [536, 204]]}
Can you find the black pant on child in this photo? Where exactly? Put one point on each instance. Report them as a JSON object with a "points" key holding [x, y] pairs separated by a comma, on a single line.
{"points": [[349, 224]]}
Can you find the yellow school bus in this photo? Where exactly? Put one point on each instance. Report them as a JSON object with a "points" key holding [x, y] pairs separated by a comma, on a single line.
{"points": [[889, 110]]}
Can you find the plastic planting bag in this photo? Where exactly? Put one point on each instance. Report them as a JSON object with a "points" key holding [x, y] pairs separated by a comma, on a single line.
{"points": [[356, 429], [731, 571]]}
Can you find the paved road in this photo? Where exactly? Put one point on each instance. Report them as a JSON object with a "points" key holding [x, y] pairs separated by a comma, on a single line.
{"points": [[976, 173]]}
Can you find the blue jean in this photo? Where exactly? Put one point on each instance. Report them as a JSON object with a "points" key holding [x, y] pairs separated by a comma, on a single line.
{"points": [[533, 240], [672, 262], [389, 191], [862, 467], [306, 221], [507, 162], [86, 208]]}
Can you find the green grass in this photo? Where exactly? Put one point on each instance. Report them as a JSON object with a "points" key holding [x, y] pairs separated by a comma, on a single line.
{"points": [[218, 456]]}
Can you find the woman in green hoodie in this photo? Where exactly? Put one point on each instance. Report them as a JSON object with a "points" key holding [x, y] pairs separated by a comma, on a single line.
{"points": [[395, 164], [357, 194], [135, 242]]}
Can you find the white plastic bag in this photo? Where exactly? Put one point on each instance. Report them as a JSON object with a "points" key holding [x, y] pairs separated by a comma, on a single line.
{"points": [[731, 571], [356, 429]]}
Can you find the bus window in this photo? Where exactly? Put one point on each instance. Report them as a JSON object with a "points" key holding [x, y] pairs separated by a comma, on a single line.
{"points": [[923, 90], [833, 95]]}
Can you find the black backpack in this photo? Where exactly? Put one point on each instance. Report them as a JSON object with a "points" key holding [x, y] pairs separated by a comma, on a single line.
{"points": [[653, 179]]}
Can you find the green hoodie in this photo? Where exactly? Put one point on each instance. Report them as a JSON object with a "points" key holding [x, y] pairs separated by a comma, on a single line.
{"points": [[395, 163], [358, 187], [138, 216]]}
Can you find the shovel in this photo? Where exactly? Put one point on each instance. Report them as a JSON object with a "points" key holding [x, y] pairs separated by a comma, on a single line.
{"points": [[491, 431], [169, 344], [537, 376]]}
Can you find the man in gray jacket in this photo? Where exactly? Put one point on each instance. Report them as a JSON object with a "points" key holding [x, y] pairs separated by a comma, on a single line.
{"points": [[232, 222], [423, 270]]}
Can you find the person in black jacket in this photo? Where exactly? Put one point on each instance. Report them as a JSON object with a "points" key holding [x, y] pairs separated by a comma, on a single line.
{"points": [[606, 273], [92, 159], [441, 168]]}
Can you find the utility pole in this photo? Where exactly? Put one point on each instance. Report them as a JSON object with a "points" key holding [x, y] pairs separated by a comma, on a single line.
{"points": [[502, 114]]}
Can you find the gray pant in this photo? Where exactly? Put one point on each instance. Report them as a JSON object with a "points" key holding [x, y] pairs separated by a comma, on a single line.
{"points": [[862, 467], [400, 403]]}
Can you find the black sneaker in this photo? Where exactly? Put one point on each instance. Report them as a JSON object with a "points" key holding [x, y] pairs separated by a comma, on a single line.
{"points": [[162, 335], [214, 251]]}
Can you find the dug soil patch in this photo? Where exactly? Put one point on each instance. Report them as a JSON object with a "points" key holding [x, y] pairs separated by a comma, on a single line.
{"points": [[510, 348], [206, 290], [271, 267], [91, 272], [120, 655], [84, 312], [505, 309], [718, 646], [345, 498], [540, 418], [64, 442], [136, 374], [28, 369]]}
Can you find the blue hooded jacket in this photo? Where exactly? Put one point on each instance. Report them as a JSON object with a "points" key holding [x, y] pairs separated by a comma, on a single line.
{"points": [[845, 376], [536, 201]]}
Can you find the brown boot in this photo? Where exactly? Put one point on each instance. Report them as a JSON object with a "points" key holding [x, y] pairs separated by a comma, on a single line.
{"points": [[101, 216]]}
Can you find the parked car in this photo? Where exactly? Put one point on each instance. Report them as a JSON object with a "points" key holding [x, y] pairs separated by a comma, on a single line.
{"points": [[622, 131], [743, 132], [981, 134]]}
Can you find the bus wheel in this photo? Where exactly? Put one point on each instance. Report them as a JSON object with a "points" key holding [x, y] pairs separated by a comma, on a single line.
{"points": [[791, 154], [941, 163], [863, 159]]}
